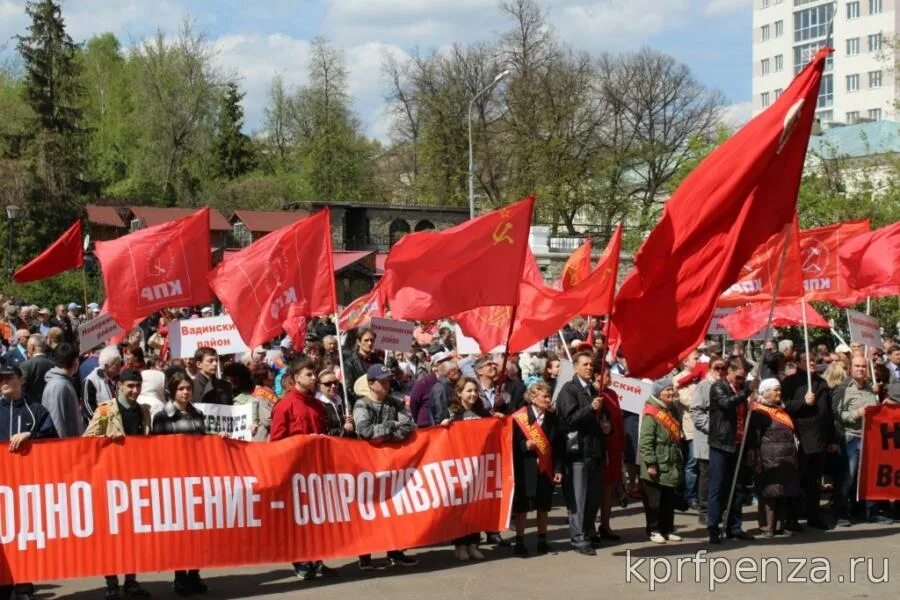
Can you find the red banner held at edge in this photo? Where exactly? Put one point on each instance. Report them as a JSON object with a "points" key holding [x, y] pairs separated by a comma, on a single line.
{"points": [[879, 471], [65, 253]]}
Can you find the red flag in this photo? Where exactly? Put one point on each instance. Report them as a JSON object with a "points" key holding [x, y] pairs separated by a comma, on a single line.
{"points": [[292, 265], [578, 267], [157, 267], [814, 263], [296, 324], [750, 320], [737, 198], [63, 254], [477, 263], [870, 263], [359, 312]]}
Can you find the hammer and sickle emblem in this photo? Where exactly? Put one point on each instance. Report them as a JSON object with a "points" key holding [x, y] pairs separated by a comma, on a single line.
{"points": [[501, 233]]}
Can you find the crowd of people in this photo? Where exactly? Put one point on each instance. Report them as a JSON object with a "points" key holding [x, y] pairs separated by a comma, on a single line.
{"points": [[720, 418]]}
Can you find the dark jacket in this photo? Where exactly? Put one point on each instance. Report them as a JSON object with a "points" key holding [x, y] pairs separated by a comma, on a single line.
{"points": [[815, 424], [525, 464], [723, 415], [212, 391], [14, 357], [771, 364], [34, 372], [69, 329], [773, 452], [356, 367], [573, 407], [516, 390], [171, 420], [659, 449], [19, 416], [439, 401]]}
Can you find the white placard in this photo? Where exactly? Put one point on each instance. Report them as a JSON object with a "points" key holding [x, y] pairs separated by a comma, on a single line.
{"points": [[218, 333], [236, 419], [393, 335], [865, 329], [715, 324], [97, 331], [632, 392]]}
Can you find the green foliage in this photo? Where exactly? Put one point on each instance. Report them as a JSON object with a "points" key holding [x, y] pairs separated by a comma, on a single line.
{"points": [[232, 147], [65, 287]]}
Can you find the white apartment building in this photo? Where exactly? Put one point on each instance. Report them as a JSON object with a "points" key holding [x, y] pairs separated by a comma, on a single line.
{"points": [[860, 81]]}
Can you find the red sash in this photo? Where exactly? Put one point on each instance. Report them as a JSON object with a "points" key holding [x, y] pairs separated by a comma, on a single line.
{"points": [[534, 432], [665, 418], [777, 414]]}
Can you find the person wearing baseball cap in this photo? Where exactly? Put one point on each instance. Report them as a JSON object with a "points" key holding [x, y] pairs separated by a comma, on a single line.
{"points": [[116, 419], [380, 418]]}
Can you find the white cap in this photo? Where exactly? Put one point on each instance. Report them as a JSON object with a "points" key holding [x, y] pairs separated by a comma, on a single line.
{"points": [[206, 309]]}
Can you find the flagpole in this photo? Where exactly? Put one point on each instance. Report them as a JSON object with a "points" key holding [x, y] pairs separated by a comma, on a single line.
{"points": [[868, 357], [337, 326], [740, 457], [564, 345], [84, 285], [806, 345], [502, 379]]}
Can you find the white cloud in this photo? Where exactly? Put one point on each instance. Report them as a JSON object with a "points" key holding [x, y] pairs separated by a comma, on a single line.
{"points": [[615, 24], [737, 114], [720, 8]]}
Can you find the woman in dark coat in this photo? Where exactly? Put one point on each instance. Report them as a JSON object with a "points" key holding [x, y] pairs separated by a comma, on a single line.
{"points": [[533, 487], [772, 452]]}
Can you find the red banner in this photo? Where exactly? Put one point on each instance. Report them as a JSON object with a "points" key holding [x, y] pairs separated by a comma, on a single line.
{"points": [[879, 471], [87, 507]]}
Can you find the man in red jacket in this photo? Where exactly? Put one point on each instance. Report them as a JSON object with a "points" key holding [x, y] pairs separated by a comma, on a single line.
{"points": [[300, 413]]}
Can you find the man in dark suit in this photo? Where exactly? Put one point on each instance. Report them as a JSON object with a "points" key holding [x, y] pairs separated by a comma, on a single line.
{"points": [[35, 368], [579, 408]]}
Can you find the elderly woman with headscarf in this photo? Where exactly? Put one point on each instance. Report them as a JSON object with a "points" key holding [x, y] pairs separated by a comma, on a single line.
{"points": [[661, 460], [772, 452]]}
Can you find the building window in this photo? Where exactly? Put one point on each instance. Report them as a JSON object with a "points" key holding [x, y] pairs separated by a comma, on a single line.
{"points": [[826, 116], [853, 83], [875, 42], [826, 92], [764, 65], [778, 93], [765, 32], [852, 46], [805, 52], [765, 3], [874, 114], [874, 79], [853, 10], [812, 23], [874, 7], [853, 117], [779, 28], [764, 99], [779, 63]]}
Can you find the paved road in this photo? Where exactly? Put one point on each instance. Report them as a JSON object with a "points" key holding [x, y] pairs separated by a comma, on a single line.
{"points": [[565, 575]]}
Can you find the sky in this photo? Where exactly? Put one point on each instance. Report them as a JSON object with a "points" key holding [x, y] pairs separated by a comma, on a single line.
{"points": [[254, 41]]}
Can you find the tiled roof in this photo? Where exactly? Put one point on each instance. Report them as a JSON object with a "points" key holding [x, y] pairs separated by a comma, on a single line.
{"points": [[858, 140], [343, 259], [152, 215], [104, 215], [266, 221]]}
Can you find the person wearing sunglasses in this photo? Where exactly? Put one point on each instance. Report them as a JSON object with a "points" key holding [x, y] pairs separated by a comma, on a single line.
{"points": [[337, 421]]}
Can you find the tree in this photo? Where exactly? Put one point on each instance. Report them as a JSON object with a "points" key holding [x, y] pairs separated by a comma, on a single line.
{"points": [[277, 142], [233, 149]]}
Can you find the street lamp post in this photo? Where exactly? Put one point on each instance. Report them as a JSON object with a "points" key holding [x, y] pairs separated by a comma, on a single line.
{"points": [[496, 80], [12, 213]]}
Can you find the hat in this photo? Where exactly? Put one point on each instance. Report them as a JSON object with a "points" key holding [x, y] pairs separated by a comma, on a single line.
{"points": [[7, 371], [843, 348], [12, 310], [43, 311], [893, 391], [378, 373], [130, 375], [439, 357], [660, 384], [206, 309], [767, 385], [93, 306], [286, 342], [73, 305]]}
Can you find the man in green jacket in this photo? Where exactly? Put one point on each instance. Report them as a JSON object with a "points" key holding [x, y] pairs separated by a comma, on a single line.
{"points": [[660, 449]]}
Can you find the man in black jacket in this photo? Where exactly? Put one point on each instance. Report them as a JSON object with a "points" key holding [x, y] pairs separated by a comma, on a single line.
{"points": [[208, 387], [579, 409], [811, 412], [728, 406], [34, 370]]}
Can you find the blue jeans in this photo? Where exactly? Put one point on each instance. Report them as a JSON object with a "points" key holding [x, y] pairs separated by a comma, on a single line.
{"points": [[691, 472], [721, 473], [848, 489]]}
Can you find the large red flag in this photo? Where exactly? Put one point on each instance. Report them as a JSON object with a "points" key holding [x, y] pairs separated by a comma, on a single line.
{"points": [[578, 267], [477, 263], [292, 265], [157, 267], [870, 264], [814, 266], [750, 320], [63, 254], [360, 312], [738, 197]]}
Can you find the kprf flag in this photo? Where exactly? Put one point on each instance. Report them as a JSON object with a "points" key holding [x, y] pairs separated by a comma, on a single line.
{"points": [[578, 267], [292, 265], [434, 274], [155, 268], [359, 312], [870, 263], [63, 254], [753, 318], [743, 193]]}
